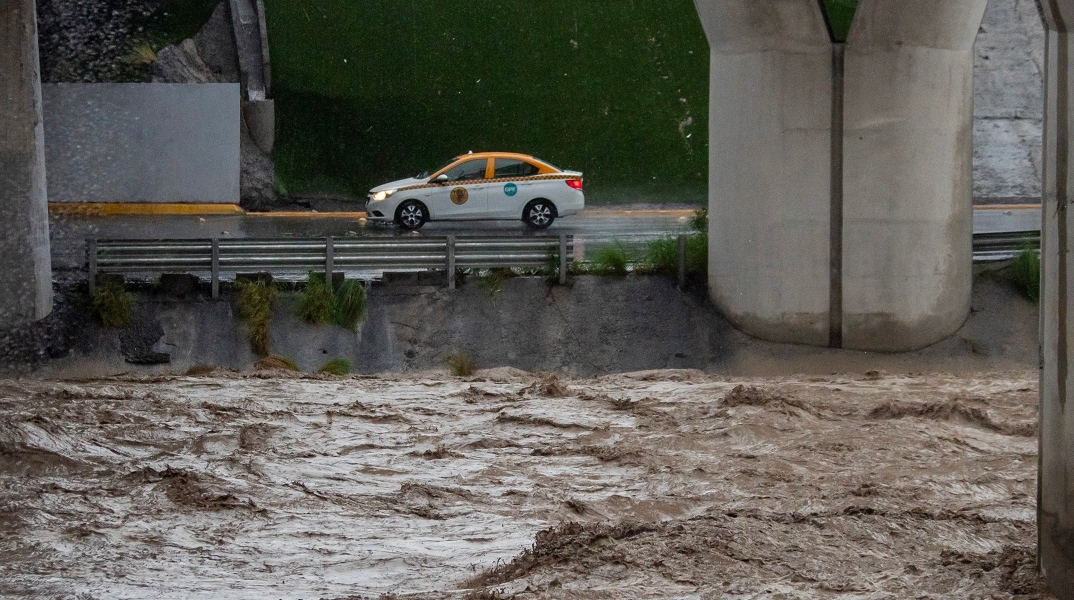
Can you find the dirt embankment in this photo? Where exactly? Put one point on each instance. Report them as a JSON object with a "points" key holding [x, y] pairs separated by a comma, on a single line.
{"points": [[508, 485]]}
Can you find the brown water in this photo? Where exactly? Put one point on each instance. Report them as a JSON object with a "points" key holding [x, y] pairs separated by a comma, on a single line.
{"points": [[665, 484]]}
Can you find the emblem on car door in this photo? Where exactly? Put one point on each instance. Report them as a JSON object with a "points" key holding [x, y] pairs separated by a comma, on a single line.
{"points": [[459, 195], [510, 189]]}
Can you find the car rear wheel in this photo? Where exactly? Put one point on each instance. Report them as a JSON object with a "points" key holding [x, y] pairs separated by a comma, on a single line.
{"points": [[411, 215], [539, 214]]}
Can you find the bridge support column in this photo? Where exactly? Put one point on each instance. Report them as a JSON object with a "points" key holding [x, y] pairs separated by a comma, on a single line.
{"points": [[25, 267], [840, 174], [1055, 501]]}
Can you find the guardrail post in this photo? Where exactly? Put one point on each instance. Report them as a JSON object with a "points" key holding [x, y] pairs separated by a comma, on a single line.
{"points": [[682, 261], [329, 258], [450, 262], [215, 268], [91, 261], [562, 259]]}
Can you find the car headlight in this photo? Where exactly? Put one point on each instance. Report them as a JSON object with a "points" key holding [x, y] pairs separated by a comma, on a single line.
{"points": [[382, 195]]}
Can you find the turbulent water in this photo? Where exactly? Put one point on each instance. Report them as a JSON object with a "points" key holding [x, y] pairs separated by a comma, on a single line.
{"points": [[664, 484]]}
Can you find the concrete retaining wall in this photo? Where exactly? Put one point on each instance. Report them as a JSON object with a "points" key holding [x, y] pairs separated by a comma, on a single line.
{"points": [[598, 325], [115, 142]]}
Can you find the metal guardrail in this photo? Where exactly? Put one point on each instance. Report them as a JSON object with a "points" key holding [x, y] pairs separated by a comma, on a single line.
{"points": [[285, 256], [992, 247]]}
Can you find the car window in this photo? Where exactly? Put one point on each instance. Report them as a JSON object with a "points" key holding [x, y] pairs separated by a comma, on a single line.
{"points": [[511, 167], [468, 171]]}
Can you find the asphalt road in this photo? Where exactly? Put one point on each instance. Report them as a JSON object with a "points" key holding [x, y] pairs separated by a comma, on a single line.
{"points": [[591, 227]]}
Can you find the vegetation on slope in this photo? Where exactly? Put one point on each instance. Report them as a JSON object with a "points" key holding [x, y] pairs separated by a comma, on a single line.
{"points": [[368, 92]]}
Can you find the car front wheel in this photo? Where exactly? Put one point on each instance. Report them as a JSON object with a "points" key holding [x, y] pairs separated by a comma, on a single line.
{"points": [[411, 215], [539, 214]]}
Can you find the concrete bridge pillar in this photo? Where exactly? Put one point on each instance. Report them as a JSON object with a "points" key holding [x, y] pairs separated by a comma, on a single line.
{"points": [[25, 263], [1055, 502], [841, 174]]}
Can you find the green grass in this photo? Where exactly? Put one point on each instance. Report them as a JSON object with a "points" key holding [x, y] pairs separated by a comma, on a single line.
{"points": [[492, 280], [317, 299], [112, 304], [840, 14], [336, 366], [610, 260], [254, 303], [350, 305], [1025, 274], [320, 304], [368, 92]]}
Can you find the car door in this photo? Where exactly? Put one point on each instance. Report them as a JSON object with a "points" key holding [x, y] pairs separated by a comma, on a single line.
{"points": [[512, 187], [462, 193]]}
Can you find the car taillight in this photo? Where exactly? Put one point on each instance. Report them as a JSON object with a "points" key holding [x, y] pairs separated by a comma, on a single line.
{"points": [[575, 183]]}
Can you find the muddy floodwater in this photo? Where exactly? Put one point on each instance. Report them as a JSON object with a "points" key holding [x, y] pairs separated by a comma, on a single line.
{"points": [[663, 484]]}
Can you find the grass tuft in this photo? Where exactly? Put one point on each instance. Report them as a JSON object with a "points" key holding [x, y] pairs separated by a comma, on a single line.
{"points": [[255, 309], [1025, 274], [276, 361], [321, 304], [336, 366], [461, 364], [610, 260], [113, 305], [700, 221], [317, 300], [492, 281], [350, 304]]}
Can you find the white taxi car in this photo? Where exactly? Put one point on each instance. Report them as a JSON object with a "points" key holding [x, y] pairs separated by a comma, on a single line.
{"points": [[486, 185]]}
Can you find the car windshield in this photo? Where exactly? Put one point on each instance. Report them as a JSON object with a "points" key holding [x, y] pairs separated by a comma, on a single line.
{"points": [[425, 174]]}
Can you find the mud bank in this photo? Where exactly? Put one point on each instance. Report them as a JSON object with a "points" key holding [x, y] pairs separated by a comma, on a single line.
{"points": [[660, 484], [597, 325]]}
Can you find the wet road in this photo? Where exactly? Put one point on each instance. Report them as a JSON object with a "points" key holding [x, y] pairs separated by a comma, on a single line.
{"points": [[590, 228]]}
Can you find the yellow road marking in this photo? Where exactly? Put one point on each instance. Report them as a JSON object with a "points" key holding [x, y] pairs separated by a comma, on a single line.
{"points": [[115, 208], [1007, 207], [312, 215]]}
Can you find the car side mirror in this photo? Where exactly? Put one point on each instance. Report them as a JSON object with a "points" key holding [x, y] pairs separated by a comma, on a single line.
{"points": [[440, 178]]}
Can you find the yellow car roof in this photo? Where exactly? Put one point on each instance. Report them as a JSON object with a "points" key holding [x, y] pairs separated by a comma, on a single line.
{"points": [[497, 155]]}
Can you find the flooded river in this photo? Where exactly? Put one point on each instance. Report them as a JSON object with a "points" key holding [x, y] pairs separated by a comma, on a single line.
{"points": [[663, 484]]}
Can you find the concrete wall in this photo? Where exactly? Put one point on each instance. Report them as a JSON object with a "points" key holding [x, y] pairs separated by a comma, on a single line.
{"points": [[841, 176], [597, 325], [116, 142], [1056, 492], [26, 271]]}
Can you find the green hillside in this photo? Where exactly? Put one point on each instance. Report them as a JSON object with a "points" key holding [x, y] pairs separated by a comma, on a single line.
{"points": [[372, 91]]}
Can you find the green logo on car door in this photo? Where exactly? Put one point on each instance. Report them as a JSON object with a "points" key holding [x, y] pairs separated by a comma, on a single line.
{"points": [[510, 189]]}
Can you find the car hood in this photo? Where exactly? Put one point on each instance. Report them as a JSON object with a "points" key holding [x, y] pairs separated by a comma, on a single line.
{"points": [[402, 183]]}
